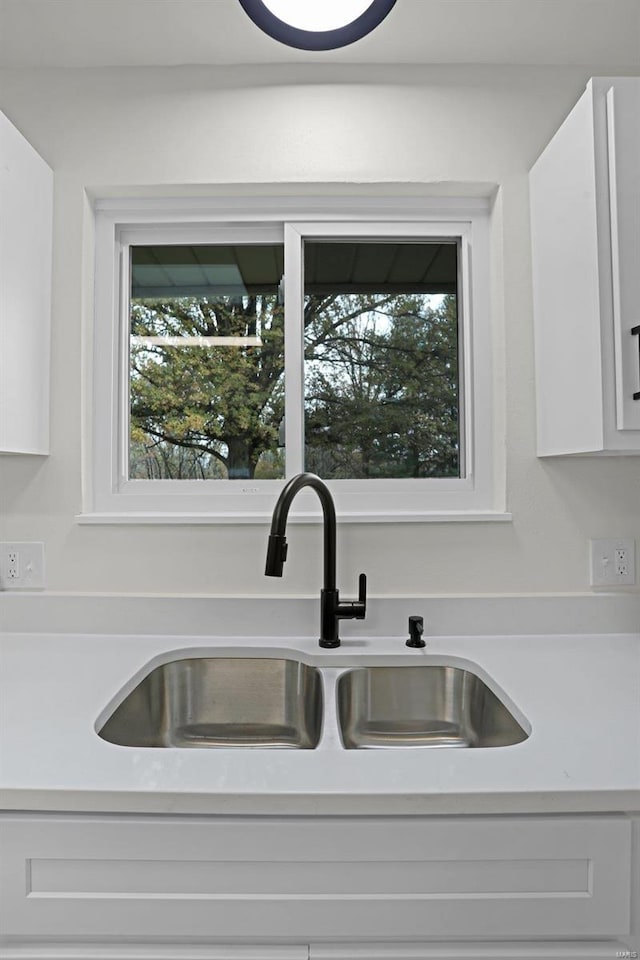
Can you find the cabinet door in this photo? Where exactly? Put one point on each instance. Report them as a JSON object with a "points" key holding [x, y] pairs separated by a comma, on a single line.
{"points": [[623, 141], [26, 212]]}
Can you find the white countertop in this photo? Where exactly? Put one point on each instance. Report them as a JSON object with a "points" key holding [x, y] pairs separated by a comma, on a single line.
{"points": [[578, 694]]}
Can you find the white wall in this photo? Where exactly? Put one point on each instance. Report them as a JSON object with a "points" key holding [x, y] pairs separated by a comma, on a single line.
{"points": [[315, 128]]}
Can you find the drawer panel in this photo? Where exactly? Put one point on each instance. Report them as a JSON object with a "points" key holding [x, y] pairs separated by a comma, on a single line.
{"points": [[226, 879], [315, 878]]}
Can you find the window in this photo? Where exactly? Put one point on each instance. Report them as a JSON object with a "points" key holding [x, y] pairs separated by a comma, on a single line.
{"points": [[381, 359], [206, 362], [235, 346]]}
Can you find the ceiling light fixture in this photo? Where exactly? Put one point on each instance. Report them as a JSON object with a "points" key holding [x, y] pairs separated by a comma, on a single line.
{"points": [[317, 24]]}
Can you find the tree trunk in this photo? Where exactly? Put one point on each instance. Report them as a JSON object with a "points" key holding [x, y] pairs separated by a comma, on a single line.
{"points": [[241, 461]]}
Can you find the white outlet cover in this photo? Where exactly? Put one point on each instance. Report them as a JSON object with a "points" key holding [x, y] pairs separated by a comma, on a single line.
{"points": [[29, 565], [604, 563]]}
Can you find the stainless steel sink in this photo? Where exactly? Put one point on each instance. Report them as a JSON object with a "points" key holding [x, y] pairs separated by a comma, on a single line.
{"points": [[422, 706], [221, 702]]}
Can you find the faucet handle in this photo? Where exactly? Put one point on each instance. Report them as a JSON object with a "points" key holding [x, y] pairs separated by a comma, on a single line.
{"points": [[362, 592], [360, 605], [353, 609]]}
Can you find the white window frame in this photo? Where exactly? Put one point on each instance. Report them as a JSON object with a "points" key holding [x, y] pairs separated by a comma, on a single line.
{"points": [[110, 497]]}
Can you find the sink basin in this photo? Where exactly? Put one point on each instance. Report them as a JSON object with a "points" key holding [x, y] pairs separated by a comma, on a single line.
{"points": [[422, 706], [221, 702]]}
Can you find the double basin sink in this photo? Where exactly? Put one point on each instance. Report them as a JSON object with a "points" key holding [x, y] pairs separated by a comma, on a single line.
{"points": [[278, 702]]}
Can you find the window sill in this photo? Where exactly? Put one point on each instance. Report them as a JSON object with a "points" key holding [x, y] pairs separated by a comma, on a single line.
{"points": [[190, 519]]}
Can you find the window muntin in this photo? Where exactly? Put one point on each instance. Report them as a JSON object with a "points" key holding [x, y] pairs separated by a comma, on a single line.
{"points": [[110, 496]]}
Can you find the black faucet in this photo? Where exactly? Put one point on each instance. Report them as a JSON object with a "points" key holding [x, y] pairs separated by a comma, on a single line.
{"points": [[331, 609]]}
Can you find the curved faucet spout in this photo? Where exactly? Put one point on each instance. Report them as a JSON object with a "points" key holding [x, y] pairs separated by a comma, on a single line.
{"points": [[277, 549], [331, 609]]}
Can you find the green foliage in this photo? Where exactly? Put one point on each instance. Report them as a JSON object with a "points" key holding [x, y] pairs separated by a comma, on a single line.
{"points": [[224, 402], [381, 388]]}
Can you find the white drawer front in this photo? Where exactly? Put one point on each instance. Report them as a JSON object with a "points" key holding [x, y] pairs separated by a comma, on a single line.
{"points": [[315, 878]]}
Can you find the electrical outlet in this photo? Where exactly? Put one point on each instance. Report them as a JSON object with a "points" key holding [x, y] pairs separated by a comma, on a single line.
{"points": [[22, 566], [13, 570], [613, 563]]}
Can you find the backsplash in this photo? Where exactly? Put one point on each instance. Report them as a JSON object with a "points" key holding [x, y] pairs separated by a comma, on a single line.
{"points": [[284, 617]]}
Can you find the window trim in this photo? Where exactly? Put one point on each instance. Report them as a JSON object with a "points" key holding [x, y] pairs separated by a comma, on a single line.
{"points": [[110, 498]]}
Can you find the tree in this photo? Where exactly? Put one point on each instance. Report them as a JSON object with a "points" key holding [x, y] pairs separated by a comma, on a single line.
{"points": [[382, 390], [381, 387], [225, 402]]}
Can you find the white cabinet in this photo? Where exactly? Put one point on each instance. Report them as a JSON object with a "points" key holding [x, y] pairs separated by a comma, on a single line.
{"points": [[585, 221], [313, 880], [26, 216]]}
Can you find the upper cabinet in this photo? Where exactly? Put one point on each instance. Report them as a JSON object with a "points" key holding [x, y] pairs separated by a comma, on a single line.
{"points": [[585, 219], [26, 216]]}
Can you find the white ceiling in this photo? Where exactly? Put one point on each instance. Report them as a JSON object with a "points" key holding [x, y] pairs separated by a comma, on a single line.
{"points": [[93, 33]]}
